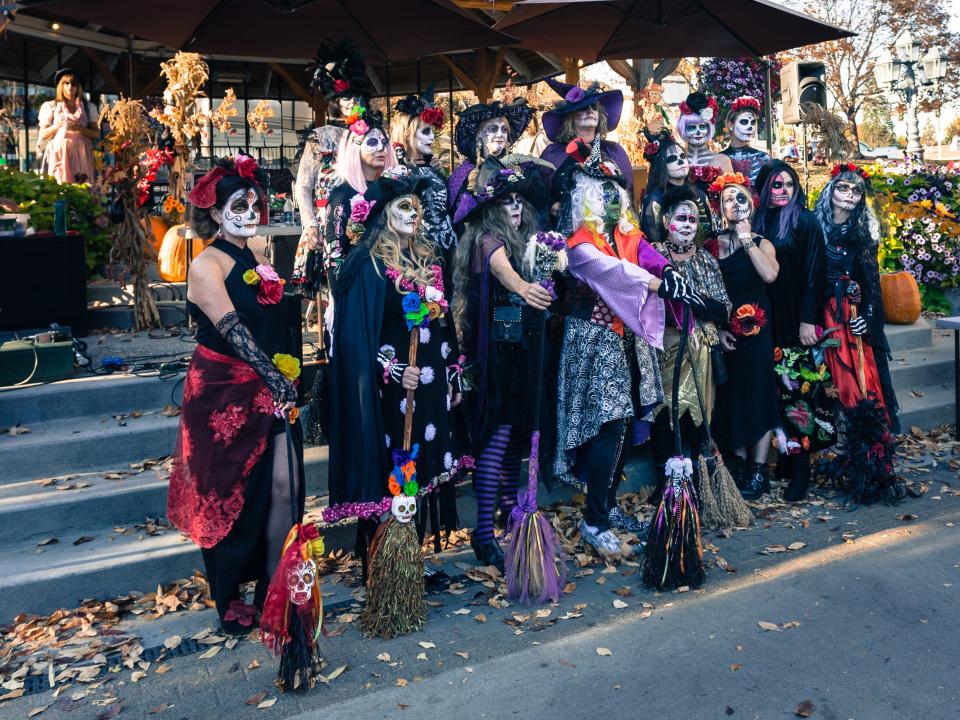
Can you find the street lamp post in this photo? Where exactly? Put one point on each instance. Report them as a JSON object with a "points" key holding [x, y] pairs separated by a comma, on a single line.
{"points": [[907, 76]]}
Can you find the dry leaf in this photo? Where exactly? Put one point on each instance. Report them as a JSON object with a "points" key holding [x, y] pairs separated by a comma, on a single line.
{"points": [[254, 664], [796, 545], [426, 645], [336, 673], [82, 539], [566, 663], [172, 642], [385, 657], [735, 667], [480, 618], [401, 682], [462, 611], [604, 652], [422, 656], [464, 655], [804, 709], [159, 709], [37, 710], [137, 676], [162, 669], [257, 699], [768, 625], [543, 613], [211, 652], [18, 429], [267, 704], [620, 604], [48, 541], [724, 565], [624, 591], [791, 624]]}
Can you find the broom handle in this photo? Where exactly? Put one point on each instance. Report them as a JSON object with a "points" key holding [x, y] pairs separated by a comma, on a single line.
{"points": [[320, 327], [408, 415], [675, 410], [861, 373], [700, 402], [294, 495], [533, 464]]}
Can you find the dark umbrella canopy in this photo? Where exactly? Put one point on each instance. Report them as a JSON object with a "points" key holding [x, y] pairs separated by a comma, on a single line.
{"points": [[382, 29], [617, 29]]}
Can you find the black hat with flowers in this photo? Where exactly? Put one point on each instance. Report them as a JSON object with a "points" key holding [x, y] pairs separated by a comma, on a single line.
{"points": [[338, 71], [423, 107], [517, 113], [494, 180]]}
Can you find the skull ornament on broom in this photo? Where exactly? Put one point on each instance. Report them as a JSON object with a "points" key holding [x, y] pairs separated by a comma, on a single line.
{"points": [[292, 618], [533, 563]]}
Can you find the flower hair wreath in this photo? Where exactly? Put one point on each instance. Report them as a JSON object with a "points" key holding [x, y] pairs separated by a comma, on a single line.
{"points": [[699, 104], [745, 102], [841, 167], [735, 178]]}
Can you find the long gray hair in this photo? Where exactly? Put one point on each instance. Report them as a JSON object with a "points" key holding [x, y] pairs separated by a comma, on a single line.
{"points": [[868, 224], [492, 220]]}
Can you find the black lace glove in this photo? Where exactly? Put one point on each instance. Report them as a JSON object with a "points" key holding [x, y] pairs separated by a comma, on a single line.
{"points": [[673, 286], [238, 336], [858, 326]]}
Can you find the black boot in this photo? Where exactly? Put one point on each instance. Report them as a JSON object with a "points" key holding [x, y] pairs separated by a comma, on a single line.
{"points": [[737, 467], [488, 553], [797, 489], [754, 478]]}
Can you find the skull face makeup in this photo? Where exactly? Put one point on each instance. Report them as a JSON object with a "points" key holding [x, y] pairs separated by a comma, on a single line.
{"points": [[743, 126], [846, 195], [585, 121], [402, 215], [736, 204], [782, 189], [495, 134], [512, 204], [423, 139], [239, 215], [677, 164], [612, 203], [697, 133], [345, 105], [373, 149], [681, 223], [403, 508], [300, 581]]}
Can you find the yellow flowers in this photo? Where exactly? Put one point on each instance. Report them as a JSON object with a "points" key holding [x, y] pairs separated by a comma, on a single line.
{"points": [[288, 365], [250, 277], [942, 210], [172, 205]]}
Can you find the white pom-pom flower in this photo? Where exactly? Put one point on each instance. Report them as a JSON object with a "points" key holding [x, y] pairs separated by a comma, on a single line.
{"points": [[429, 432], [445, 350], [424, 336], [426, 375], [448, 460]]}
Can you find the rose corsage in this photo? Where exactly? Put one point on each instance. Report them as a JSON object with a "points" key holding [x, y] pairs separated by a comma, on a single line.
{"points": [[271, 284], [748, 320]]}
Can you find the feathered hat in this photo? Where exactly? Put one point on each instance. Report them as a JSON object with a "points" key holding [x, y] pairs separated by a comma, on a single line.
{"points": [[338, 71]]}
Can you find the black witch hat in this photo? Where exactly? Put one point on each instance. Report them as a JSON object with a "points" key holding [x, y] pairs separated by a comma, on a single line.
{"points": [[338, 71]]}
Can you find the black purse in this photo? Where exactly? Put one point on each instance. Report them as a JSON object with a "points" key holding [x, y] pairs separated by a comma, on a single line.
{"points": [[718, 365], [507, 324]]}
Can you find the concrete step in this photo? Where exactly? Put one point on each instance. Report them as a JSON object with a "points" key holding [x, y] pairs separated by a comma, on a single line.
{"points": [[117, 294], [88, 396], [924, 366], [80, 445], [909, 337], [77, 502], [172, 312], [933, 408]]}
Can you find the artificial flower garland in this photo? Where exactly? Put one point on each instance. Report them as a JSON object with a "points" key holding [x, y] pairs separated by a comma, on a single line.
{"points": [[421, 303], [271, 284], [840, 167]]}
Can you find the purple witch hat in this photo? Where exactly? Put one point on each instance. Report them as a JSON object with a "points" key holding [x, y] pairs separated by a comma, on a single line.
{"points": [[494, 180], [576, 98]]}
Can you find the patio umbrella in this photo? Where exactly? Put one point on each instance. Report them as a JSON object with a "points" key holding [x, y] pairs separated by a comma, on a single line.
{"points": [[619, 29], [287, 29]]}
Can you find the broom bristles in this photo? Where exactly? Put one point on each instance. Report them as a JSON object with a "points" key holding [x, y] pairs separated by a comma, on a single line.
{"points": [[299, 659], [395, 586], [709, 509], [535, 569], [732, 509], [674, 554]]}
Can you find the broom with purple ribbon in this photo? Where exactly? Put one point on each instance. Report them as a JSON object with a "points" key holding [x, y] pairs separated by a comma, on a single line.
{"points": [[534, 565]]}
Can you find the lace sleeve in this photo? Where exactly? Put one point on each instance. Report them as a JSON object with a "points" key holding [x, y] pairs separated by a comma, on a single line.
{"points": [[238, 336], [306, 180]]}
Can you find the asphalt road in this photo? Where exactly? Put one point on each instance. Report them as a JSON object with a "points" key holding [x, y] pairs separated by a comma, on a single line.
{"points": [[866, 628]]}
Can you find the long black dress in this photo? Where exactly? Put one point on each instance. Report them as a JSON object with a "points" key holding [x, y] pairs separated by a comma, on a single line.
{"points": [[747, 403], [796, 296], [240, 556]]}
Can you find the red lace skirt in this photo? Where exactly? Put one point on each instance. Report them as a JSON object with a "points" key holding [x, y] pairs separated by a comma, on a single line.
{"points": [[225, 423], [844, 361]]}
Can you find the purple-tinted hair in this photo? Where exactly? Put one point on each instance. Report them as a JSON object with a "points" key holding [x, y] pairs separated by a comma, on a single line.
{"points": [[790, 213], [685, 120]]}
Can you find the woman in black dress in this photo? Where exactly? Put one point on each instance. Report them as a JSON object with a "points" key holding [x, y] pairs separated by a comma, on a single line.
{"points": [[746, 410], [229, 485]]}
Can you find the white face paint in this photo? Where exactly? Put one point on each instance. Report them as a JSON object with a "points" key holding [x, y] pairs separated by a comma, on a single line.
{"points": [[585, 121], [682, 225], [402, 216], [345, 104], [736, 204], [744, 126], [512, 204], [781, 189], [677, 164], [240, 214], [846, 195], [403, 508], [373, 149], [423, 139], [697, 133], [495, 134]]}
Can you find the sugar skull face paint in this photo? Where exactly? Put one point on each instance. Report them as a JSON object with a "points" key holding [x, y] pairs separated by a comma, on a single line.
{"points": [[240, 214], [495, 134], [676, 162], [846, 195], [373, 149], [782, 189], [402, 215], [512, 204], [697, 133], [744, 126], [682, 224], [423, 139], [403, 508], [737, 205]]}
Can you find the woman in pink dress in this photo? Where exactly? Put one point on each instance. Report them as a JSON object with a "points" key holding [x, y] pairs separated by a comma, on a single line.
{"points": [[68, 125]]}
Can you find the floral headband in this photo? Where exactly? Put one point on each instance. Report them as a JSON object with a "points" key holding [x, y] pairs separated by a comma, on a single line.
{"points": [[851, 167], [745, 102], [651, 149], [423, 108], [355, 122], [735, 178], [204, 192]]}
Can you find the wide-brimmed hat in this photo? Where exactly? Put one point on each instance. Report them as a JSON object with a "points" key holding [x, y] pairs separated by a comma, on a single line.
{"points": [[517, 114], [494, 180], [574, 98], [61, 72]]}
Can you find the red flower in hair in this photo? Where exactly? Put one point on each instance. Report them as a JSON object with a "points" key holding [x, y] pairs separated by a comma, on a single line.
{"points": [[340, 86], [433, 116], [246, 167], [651, 149]]}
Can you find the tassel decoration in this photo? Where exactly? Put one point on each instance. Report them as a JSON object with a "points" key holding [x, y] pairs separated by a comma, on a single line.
{"points": [[674, 553]]}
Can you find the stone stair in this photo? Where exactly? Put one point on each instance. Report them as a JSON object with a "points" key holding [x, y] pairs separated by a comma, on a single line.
{"points": [[922, 373], [110, 305]]}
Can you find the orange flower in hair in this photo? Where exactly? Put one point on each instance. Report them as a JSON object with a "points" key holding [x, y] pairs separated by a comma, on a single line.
{"points": [[734, 178]]}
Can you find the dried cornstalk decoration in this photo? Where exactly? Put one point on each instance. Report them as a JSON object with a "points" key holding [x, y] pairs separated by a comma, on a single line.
{"points": [[257, 118], [129, 139], [829, 130], [186, 74]]}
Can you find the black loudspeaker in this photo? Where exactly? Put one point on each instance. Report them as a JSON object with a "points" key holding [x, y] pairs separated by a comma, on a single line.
{"points": [[46, 282], [801, 82]]}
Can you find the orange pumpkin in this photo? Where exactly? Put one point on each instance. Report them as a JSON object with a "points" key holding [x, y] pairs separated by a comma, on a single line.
{"points": [[158, 227], [172, 259], [901, 298]]}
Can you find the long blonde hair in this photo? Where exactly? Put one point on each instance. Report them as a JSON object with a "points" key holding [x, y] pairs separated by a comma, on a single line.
{"points": [[388, 247], [61, 96]]}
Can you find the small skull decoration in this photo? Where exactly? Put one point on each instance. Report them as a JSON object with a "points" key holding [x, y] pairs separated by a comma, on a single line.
{"points": [[300, 581], [403, 508]]}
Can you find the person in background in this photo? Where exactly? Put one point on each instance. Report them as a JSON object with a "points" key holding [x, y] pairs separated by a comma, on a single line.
{"points": [[67, 128]]}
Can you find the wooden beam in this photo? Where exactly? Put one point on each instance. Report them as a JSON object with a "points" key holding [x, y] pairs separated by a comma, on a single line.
{"points": [[493, 73], [151, 87], [468, 82], [571, 69], [295, 87], [110, 81]]}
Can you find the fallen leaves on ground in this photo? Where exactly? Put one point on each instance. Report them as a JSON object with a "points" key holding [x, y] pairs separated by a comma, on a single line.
{"points": [[804, 709], [604, 652]]}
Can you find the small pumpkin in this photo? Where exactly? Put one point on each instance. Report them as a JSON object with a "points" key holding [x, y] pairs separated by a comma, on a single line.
{"points": [[172, 257], [901, 298]]}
